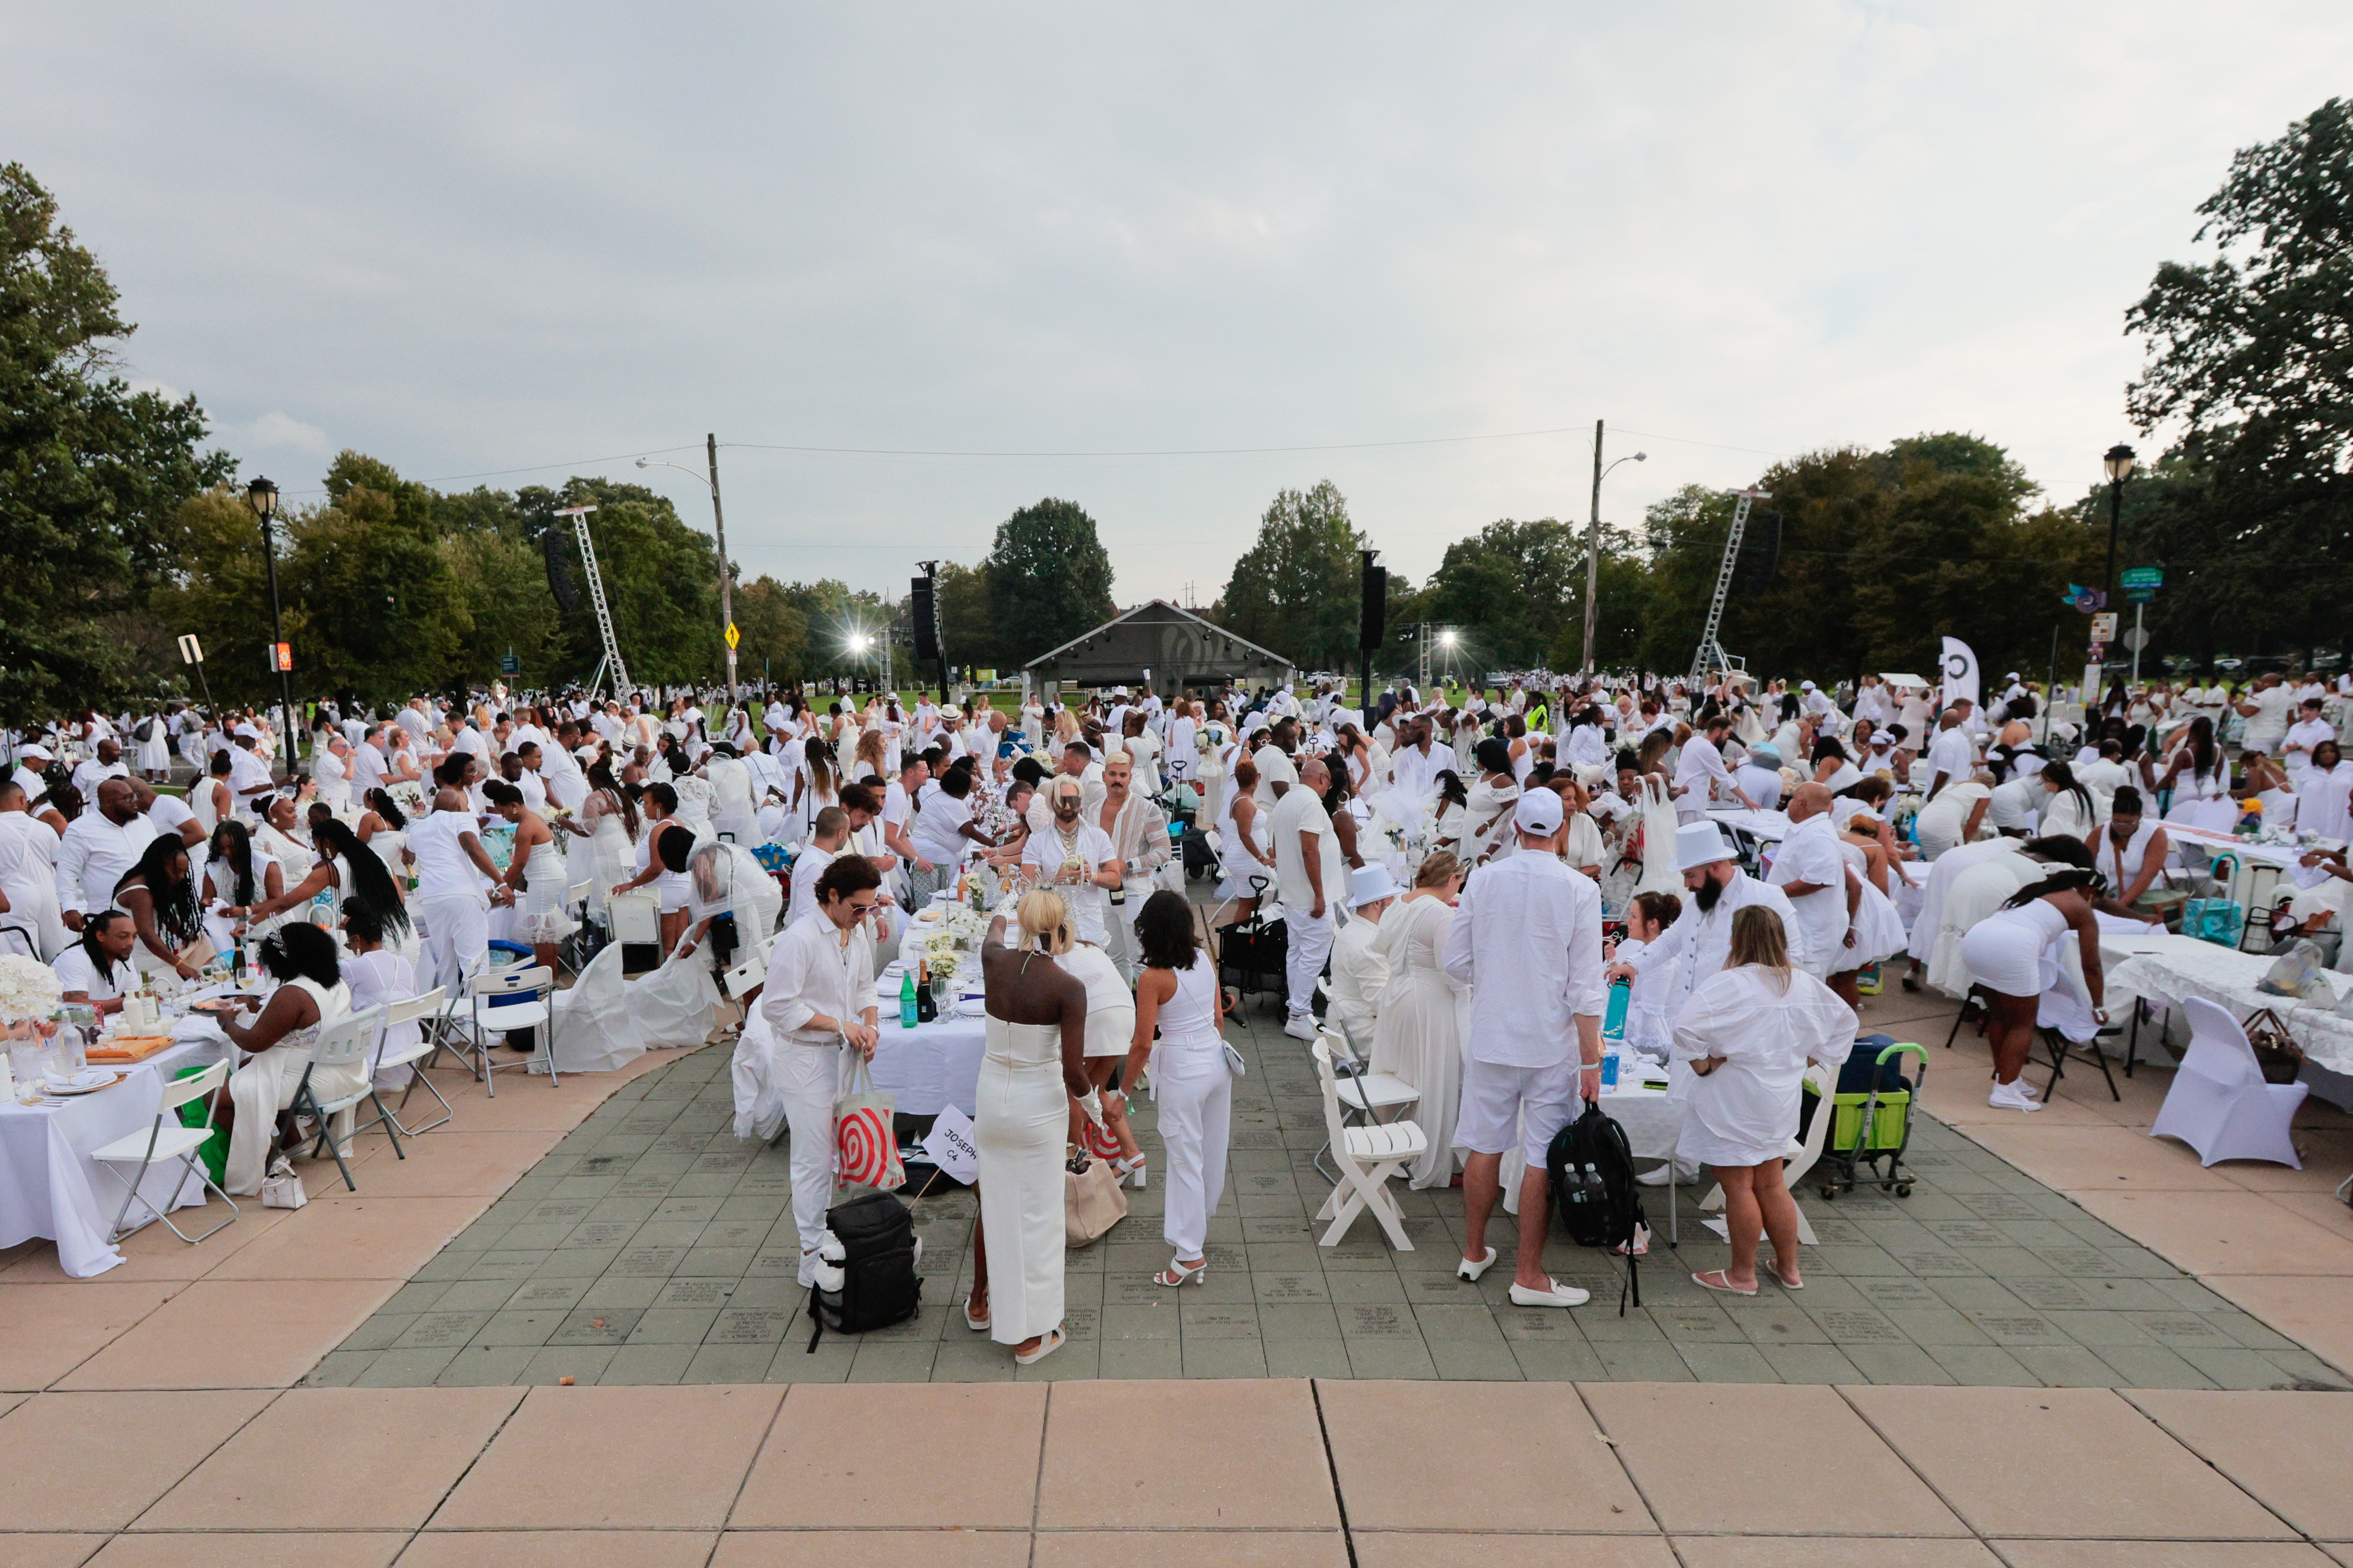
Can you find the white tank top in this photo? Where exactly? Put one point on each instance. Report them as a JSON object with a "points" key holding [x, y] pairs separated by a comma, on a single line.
{"points": [[2120, 869], [1190, 1017]]}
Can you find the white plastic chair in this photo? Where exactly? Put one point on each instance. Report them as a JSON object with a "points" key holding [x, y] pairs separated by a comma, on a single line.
{"points": [[1364, 1096], [1368, 1158], [528, 1009], [349, 1041], [2220, 1104], [167, 1140], [416, 1010], [1796, 1158], [636, 917], [745, 977]]}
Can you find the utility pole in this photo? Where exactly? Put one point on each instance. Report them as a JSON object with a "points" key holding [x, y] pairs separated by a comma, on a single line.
{"points": [[726, 572], [1593, 553]]}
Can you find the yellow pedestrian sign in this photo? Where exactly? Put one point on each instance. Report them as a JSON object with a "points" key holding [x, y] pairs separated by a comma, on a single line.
{"points": [[734, 637]]}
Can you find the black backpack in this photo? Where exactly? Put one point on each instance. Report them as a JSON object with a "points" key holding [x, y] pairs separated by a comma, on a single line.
{"points": [[1592, 1175], [880, 1286]]}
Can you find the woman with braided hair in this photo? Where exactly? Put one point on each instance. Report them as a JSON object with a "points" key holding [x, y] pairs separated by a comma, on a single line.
{"points": [[2016, 954]]}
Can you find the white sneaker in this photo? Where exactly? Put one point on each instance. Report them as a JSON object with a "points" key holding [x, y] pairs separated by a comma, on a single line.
{"points": [[1557, 1294], [1682, 1174], [2005, 1097], [1300, 1025]]}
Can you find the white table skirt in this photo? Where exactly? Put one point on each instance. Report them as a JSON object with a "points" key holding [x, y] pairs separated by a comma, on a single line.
{"points": [[2168, 970], [50, 1187], [932, 1066]]}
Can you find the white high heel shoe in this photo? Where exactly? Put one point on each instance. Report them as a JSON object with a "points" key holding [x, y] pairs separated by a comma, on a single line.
{"points": [[1128, 1168]]}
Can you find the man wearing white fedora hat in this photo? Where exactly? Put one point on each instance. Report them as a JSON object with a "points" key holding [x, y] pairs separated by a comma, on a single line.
{"points": [[1359, 973], [1703, 936]]}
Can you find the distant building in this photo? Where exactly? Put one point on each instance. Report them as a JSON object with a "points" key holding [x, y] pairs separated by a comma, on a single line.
{"points": [[1161, 646]]}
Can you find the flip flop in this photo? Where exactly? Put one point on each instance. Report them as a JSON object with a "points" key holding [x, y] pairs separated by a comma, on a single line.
{"points": [[1782, 1279], [1724, 1289]]}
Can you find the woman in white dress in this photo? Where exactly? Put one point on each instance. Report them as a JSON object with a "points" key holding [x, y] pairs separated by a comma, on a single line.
{"points": [[154, 733], [2071, 812], [311, 993], [1142, 748], [819, 785], [2130, 853], [536, 875], [1748, 1032], [1418, 1031], [2198, 775], [1490, 803], [1110, 1024], [1953, 818], [1192, 1082], [2015, 955], [1244, 855], [612, 819], [1033, 1064], [244, 888]]}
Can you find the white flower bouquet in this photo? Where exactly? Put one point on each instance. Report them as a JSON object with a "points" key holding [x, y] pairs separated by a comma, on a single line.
{"points": [[29, 992]]}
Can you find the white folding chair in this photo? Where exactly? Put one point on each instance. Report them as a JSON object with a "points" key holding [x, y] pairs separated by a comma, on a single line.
{"points": [[636, 916], [349, 1041], [576, 905], [501, 1000], [2220, 1103], [745, 977], [1368, 1158], [416, 1010], [1796, 1160], [168, 1140], [1364, 1096]]}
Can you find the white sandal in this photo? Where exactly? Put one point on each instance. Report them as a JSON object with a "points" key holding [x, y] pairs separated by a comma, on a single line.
{"points": [[1051, 1342], [1128, 1168], [1176, 1276], [978, 1325]]}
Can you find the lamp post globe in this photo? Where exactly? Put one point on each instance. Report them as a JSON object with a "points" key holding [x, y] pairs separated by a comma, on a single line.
{"points": [[2118, 460], [262, 497]]}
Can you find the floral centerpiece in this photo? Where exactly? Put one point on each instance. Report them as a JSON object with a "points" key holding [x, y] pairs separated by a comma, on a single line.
{"points": [[29, 998]]}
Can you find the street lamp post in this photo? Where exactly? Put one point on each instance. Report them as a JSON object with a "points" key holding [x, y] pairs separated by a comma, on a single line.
{"points": [[719, 534], [262, 497], [1593, 542], [2118, 462]]}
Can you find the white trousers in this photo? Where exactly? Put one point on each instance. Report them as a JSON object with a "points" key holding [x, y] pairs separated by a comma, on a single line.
{"points": [[262, 1087], [808, 1078], [1119, 929], [457, 942], [1311, 947], [1195, 1092]]}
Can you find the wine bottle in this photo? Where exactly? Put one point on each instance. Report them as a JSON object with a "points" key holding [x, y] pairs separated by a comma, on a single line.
{"points": [[926, 1009]]}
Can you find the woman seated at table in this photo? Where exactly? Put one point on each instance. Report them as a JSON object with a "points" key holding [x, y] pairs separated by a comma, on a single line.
{"points": [[1748, 1032], [378, 977], [238, 881], [95, 968], [160, 897], [311, 993], [2131, 852]]}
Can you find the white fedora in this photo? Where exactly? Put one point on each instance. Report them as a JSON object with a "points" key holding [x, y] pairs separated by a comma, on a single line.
{"points": [[1700, 844]]}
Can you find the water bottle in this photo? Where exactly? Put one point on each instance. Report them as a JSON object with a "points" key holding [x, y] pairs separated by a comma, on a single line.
{"points": [[907, 1000], [1621, 996], [1609, 1067]]}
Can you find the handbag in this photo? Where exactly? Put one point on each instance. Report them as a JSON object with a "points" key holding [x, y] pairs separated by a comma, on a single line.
{"points": [[2276, 1049], [282, 1189], [1092, 1200], [866, 1154]]}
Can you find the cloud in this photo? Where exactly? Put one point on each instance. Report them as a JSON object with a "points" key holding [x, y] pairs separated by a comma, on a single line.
{"points": [[284, 432]]}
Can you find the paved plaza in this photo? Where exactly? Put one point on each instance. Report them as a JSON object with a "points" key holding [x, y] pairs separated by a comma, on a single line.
{"points": [[653, 1247]]}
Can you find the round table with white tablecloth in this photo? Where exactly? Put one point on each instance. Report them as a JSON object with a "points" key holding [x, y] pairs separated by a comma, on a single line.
{"points": [[50, 1187], [2164, 968]]}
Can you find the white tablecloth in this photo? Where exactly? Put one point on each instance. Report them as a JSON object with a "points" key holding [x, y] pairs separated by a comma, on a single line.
{"points": [[2167, 969], [50, 1187], [932, 1066]]}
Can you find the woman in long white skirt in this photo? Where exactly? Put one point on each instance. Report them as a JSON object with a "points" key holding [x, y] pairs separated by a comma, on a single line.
{"points": [[311, 994], [1192, 1082], [1033, 1064], [1418, 1031]]}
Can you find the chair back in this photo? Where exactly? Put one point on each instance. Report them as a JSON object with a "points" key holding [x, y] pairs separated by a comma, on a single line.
{"points": [[398, 1013], [575, 896], [746, 976], [2217, 1045], [637, 917], [1334, 1129], [512, 982], [179, 1091], [348, 1040]]}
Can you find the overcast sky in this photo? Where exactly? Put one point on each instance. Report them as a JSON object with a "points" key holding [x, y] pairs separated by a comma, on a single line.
{"points": [[472, 237]]}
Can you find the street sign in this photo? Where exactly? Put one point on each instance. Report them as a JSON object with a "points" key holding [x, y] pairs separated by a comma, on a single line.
{"points": [[509, 664], [2138, 595], [2136, 639], [2144, 577], [191, 650], [2104, 626], [734, 637]]}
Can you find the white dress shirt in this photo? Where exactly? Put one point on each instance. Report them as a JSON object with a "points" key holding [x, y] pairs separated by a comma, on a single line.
{"points": [[1811, 854], [813, 971], [1703, 938], [96, 854], [1952, 754], [1526, 938]]}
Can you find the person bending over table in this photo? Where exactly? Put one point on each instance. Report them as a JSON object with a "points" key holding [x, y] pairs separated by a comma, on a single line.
{"points": [[2013, 953]]}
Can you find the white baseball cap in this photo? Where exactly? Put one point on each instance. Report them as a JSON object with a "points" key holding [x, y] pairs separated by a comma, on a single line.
{"points": [[1700, 844], [1539, 813]]}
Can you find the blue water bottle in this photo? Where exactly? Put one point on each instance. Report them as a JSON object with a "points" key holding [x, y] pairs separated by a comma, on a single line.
{"points": [[1621, 996]]}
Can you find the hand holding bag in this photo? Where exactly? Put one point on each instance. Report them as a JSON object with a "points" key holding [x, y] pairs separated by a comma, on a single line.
{"points": [[865, 1150]]}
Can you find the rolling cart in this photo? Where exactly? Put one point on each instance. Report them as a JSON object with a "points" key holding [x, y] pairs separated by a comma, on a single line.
{"points": [[1874, 1125]]}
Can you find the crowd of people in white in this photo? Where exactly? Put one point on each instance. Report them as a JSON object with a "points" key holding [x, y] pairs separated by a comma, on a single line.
{"points": [[1444, 865]]}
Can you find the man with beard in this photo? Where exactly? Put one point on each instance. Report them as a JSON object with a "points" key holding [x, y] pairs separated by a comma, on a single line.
{"points": [[1703, 936]]}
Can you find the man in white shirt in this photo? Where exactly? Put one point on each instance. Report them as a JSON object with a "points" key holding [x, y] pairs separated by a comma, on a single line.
{"points": [[98, 849], [1138, 831], [827, 834], [1415, 769], [412, 719], [1701, 776], [1526, 939], [28, 872], [899, 805], [817, 1005], [2266, 710], [368, 762], [1701, 934], [1952, 756], [107, 765], [1308, 872], [100, 980], [2307, 733], [1359, 973], [1812, 873], [452, 904], [1075, 858], [1277, 773], [28, 776], [248, 775], [330, 768], [1758, 778], [2104, 776]]}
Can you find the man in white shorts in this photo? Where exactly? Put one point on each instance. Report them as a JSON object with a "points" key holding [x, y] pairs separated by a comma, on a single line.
{"points": [[1527, 940]]}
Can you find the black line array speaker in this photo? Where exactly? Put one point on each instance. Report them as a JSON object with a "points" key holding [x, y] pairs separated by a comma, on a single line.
{"points": [[1375, 619], [923, 611]]}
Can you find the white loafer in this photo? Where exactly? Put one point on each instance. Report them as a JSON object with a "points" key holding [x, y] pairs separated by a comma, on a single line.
{"points": [[1559, 1295], [1466, 1270]]}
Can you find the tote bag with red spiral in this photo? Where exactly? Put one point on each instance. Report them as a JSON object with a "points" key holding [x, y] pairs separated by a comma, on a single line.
{"points": [[866, 1152]]}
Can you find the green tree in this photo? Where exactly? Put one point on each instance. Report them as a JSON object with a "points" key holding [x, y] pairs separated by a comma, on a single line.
{"points": [[775, 633], [91, 474], [2251, 354], [1049, 579], [968, 627], [1510, 588], [1299, 590]]}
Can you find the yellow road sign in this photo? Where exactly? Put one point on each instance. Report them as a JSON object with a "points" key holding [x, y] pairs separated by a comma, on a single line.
{"points": [[734, 637]]}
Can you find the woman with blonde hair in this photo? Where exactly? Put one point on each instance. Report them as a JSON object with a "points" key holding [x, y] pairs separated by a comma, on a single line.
{"points": [[1748, 1032], [1418, 1031], [870, 760], [1034, 1064]]}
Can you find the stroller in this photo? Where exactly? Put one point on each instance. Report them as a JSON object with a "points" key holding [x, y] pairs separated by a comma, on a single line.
{"points": [[1870, 1112]]}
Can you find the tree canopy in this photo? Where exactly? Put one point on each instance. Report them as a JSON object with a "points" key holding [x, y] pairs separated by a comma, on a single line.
{"points": [[1048, 580], [1299, 590]]}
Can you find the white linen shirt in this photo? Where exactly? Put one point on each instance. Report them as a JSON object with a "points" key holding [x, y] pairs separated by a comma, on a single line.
{"points": [[94, 855], [1526, 939], [1811, 854], [1765, 1032], [1703, 938], [813, 971], [1952, 754]]}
